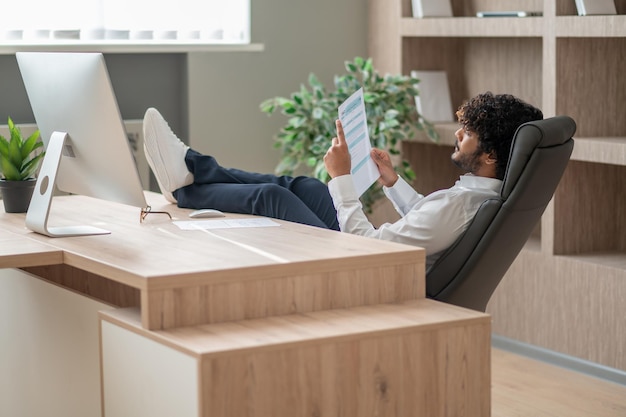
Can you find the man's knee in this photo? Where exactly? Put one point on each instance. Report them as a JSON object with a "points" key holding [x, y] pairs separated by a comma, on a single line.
{"points": [[271, 195]]}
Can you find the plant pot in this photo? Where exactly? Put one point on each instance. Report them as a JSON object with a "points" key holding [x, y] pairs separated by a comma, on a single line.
{"points": [[16, 195]]}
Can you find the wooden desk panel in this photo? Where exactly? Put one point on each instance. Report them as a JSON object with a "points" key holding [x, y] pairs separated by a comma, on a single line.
{"points": [[90, 285], [289, 291], [18, 251], [418, 358], [207, 276]]}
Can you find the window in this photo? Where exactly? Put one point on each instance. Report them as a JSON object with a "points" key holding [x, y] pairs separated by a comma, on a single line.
{"points": [[102, 21]]}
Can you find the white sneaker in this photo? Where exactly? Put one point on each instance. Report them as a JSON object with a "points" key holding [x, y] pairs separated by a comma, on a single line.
{"points": [[165, 154]]}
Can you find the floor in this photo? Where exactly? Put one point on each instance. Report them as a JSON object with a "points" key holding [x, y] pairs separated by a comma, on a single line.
{"points": [[530, 388]]}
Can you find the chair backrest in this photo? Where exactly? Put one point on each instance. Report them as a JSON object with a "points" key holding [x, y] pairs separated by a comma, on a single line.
{"points": [[468, 272]]}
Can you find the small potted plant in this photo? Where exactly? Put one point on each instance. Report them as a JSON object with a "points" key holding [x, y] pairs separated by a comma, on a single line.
{"points": [[19, 161], [391, 117]]}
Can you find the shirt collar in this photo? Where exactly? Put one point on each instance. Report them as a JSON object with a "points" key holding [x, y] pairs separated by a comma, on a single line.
{"points": [[474, 181]]}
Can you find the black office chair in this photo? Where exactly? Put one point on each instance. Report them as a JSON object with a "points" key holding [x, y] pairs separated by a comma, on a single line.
{"points": [[467, 273]]}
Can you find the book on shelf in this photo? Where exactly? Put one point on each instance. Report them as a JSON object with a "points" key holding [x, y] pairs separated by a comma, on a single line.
{"points": [[431, 8], [433, 101], [595, 7], [510, 13]]}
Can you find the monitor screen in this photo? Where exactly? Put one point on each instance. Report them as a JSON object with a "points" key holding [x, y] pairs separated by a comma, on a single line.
{"points": [[87, 148]]}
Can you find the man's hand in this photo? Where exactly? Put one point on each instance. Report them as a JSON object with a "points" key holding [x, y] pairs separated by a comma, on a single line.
{"points": [[388, 175], [337, 158]]}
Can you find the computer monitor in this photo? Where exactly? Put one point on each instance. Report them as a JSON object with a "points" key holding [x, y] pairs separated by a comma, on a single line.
{"points": [[87, 148]]}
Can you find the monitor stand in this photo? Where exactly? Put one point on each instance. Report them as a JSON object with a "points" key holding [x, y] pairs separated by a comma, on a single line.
{"points": [[40, 203]]}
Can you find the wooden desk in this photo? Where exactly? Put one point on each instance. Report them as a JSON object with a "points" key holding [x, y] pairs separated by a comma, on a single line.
{"points": [[252, 310], [194, 277]]}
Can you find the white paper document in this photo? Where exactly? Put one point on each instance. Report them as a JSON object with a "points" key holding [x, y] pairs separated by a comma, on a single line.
{"points": [[224, 224], [354, 121]]}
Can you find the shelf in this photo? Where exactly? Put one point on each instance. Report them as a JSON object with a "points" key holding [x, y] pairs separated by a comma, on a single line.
{"points": [[598, 261], [127, 47], [564, 64], [590, 84], [472, 27], [589, 209], [603, 150], [565, 26], [614, 260], [600, 150], [591, 26], [475, 65], [446, 135]]}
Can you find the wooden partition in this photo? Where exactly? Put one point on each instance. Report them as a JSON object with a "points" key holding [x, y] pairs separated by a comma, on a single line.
{"points": [[574, 265]]}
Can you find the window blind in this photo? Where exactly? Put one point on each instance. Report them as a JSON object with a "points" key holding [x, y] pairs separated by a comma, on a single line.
{"points": [[210, 21]]}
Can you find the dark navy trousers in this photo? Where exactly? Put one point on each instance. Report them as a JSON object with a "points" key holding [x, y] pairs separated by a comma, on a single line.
{"points": [[298, 199]]}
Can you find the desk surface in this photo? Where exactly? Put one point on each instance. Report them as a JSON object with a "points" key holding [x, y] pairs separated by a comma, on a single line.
{"points": [[178, 270], [19, 251]]}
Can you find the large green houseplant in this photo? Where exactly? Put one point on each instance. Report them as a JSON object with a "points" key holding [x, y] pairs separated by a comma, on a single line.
{"points": [[19, 159], [312, 111]]}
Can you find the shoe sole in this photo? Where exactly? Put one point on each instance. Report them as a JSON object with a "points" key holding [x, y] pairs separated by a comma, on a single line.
{"points": [[158, 169]]}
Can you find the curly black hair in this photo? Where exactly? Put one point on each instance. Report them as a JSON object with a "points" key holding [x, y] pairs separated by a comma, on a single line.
{"points": [[495, 118]]}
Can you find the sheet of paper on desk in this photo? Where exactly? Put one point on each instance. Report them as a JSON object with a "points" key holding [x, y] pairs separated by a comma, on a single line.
{"points": [[354, 121], [224, 224]]}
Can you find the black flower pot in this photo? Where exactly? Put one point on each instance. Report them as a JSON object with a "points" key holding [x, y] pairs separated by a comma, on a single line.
{"points": [[16, 195]]}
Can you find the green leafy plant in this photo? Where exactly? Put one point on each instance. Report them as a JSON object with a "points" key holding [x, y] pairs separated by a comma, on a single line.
{"points": [[312, 111], [18, 157]]}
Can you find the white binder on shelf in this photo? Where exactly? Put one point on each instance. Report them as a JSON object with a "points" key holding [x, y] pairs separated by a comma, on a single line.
{"points": [[595, 7], [431, 8], [433, 101]]}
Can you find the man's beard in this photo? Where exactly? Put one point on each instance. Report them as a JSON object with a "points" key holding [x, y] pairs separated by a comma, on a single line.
{"points": [[468, 163]]}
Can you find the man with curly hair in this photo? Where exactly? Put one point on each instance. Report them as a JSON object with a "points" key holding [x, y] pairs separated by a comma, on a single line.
{"points": [[483, 142]]}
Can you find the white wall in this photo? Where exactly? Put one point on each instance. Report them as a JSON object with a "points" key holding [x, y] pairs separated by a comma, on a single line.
{"points": [[49, 349], [225, 89]]}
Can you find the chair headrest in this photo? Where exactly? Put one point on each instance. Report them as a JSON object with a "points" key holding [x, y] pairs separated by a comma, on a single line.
{"points": [[545, 133]]}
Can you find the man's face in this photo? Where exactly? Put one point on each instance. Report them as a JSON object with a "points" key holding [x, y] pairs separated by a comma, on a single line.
{"points": [[467, 155]]}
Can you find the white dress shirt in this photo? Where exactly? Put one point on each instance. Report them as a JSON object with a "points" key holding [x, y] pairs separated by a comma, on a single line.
{"points": [[432, 222]]}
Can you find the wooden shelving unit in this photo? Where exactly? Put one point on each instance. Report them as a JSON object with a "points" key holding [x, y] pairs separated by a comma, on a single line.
{"points": [[567, 288]]}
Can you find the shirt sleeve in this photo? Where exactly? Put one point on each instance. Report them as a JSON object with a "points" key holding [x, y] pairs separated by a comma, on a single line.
{"points": [[402, 196], [433, 224]]}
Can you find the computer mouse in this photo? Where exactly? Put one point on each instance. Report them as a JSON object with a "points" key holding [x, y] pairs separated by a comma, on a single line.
{"points": [[205, 213]]}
